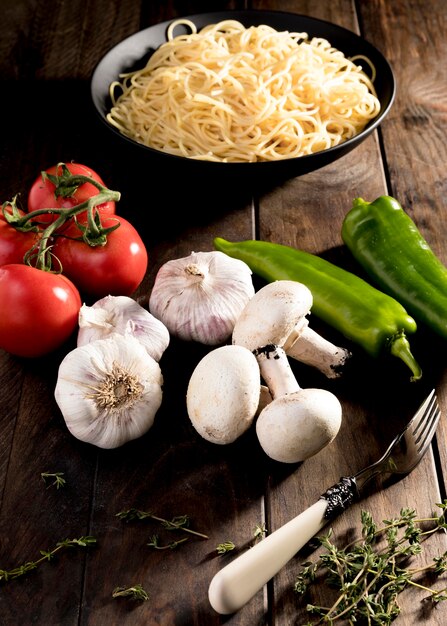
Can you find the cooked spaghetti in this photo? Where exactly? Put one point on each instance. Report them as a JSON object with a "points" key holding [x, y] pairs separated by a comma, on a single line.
{"points": [[235, 94]]}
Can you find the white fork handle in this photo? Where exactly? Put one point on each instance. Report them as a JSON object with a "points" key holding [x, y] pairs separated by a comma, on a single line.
{"points": [[236, 583]]}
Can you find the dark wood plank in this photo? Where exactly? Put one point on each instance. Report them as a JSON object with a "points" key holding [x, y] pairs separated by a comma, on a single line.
{"points": [[11, 379]]}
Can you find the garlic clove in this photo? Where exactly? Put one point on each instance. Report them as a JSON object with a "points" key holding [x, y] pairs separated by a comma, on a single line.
{"points": [[109, 391], [200, 297], [122, 315]]}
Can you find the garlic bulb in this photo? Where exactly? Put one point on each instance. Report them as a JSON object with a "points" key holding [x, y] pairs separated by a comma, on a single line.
{"points": [[109, 391], [122, 315], [200, 297]]}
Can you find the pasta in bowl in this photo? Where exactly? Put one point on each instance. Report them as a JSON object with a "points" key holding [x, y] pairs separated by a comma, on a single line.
{"points": [[244, 89]]}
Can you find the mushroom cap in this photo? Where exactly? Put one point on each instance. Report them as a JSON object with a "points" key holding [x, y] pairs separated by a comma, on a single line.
{"points": [[223, 394], [272, 314], [296, 426]]}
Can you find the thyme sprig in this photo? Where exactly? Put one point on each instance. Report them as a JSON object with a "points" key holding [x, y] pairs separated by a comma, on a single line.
{"points": [[371, 572], [135, 592], [59, 480], [259, 532], [46, 555], [226, 546], [154, 542], [180, 522]]}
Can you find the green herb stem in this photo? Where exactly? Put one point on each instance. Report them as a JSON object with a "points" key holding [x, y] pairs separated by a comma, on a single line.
{"points": [[136, 592], [226, 546], [47, 555], [154, 542], [370, 577], [59, 480], [177, 523]]}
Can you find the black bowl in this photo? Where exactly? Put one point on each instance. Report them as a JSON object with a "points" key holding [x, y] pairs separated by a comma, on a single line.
{"points": [[134, 51]]}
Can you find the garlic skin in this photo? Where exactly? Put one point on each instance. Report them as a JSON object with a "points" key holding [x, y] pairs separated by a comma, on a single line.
{"points": [[200, 297], [122, 315], [109, 391]]}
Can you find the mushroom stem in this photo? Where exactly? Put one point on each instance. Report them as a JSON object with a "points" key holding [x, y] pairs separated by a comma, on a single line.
{"points": [[265, 397], [310, 348], [276, 314], [276, 371]]}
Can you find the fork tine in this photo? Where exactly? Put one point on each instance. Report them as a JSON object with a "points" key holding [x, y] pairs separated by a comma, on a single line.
{"points": [[434, 419], [421, 412], [419, 421], [425, 423]]}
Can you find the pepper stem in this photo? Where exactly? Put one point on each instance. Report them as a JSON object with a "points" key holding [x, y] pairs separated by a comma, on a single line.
{"points": [[400, 347]]}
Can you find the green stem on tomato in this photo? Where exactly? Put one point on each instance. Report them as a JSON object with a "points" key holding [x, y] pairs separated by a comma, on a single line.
{"points": [[42, 253], [13, 216]]}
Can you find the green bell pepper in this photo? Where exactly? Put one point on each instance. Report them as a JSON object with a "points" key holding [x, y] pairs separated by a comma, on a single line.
{"points": [[362, 313], [390, 248]]}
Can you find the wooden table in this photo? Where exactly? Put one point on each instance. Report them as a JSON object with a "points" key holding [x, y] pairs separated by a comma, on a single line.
{"points": [[48, 52]]}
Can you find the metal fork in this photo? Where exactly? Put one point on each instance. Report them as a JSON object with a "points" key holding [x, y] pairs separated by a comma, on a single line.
{"points": [[235, 584]]}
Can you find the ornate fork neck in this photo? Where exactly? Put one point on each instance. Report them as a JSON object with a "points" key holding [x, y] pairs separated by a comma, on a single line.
{"points": [[402, 455], [340, 496], [349, 488]]}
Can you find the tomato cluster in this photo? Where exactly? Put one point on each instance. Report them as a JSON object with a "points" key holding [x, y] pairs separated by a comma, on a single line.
{"points": [[72, 245], [44, 195]]}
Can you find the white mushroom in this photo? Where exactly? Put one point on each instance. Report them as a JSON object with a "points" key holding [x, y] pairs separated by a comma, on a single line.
{"points": [[296, 426], [298, 423], [264, 399], [223, 394], [276, 315]]}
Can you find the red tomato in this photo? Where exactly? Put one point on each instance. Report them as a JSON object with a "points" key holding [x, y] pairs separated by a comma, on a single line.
{"points": [[42, 193], [115, 269], [39, 310], [14, 243]]}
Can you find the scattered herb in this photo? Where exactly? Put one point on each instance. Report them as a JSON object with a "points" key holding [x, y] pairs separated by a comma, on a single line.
{"points": [[59, 481], [136, 592], [180, 522], [47, 555], [225, 547], [371, 572], [259, 532], [154, 542]]}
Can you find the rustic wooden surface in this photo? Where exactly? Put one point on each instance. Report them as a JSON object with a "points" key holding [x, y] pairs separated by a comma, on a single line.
{"points": [[47, 54]]}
